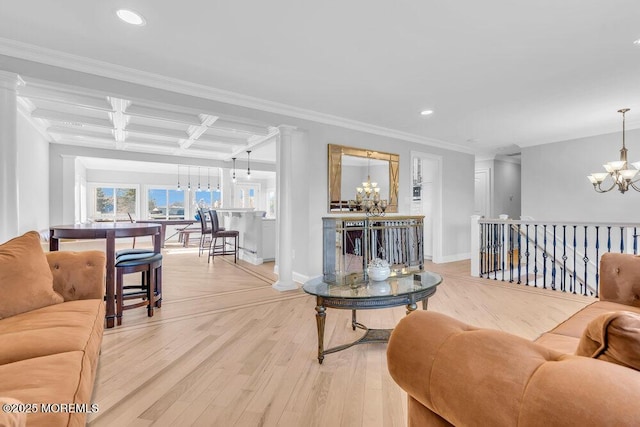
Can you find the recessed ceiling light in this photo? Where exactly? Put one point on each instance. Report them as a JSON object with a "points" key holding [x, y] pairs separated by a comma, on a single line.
{"points": [[636, 42], [426, 112], [131, 17]]}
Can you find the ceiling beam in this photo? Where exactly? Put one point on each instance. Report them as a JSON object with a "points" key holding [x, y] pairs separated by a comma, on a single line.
{"points": [[233, 126], [70, 119], [160, 114], [157, 131], [119, 120], [196, 131], [80, 132], [92, 102]]}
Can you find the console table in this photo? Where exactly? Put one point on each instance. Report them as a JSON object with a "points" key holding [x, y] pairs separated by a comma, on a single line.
{"points": [[350, 242]]}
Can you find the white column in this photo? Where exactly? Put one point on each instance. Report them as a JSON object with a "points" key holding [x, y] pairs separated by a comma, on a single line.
{"points": [[284, 214], [9, 212]]}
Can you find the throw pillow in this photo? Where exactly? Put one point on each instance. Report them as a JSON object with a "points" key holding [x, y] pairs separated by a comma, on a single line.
{"points": [[614, 337], [26, 282]]}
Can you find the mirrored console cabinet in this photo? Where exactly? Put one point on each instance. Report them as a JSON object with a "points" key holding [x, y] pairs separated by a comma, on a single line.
{"points": [[350, 243]]}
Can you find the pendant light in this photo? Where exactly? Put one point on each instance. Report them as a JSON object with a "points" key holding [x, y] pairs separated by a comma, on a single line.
{"points": [[198, 178], [179, 189], [233, 176], [189, 178], [218, 186], [208, 179], [248, 164]]}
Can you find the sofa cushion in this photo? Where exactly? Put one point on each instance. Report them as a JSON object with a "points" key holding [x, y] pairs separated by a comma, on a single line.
{"points": [[26, 282], [566, 336], [60, 379], [574, 326], [614, 337], [59, 328]]}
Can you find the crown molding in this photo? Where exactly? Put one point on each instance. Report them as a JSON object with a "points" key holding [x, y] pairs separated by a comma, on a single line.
{"points": [[24, 111], [78, 63]]}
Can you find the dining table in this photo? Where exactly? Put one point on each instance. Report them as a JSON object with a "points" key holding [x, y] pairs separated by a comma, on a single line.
{"points": [[110, 232]]}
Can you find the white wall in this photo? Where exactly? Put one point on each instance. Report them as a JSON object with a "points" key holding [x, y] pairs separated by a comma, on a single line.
{"points": [[555, 185], [33, 175]]}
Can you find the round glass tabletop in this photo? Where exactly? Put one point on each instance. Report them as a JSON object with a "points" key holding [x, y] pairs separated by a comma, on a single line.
{"points": [[353, 287]]}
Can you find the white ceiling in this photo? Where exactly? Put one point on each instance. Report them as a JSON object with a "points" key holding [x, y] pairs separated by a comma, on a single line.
{"points": [[497, 73]]}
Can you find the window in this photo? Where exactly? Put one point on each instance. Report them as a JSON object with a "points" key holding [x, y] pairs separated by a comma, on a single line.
{"points": [[165, 204], [247, 195], [208, 199], [111, 203]]}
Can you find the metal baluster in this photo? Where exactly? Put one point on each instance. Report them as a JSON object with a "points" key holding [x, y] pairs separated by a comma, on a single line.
{"points": [[586, 261], [502, 249], [488, 249], [563, 282], [553, 266], [597, 260], [510, 253], [544, 258], [526, 254], [535, 255], [483, 249], [519, 254], [495, 251], [573, 282], [621, 240]]}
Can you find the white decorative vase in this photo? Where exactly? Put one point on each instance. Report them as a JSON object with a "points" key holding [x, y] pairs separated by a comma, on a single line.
{"points": [[378, 273]]}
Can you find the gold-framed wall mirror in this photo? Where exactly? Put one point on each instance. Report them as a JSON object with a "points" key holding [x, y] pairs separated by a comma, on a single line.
{"points": [[353, 173]]}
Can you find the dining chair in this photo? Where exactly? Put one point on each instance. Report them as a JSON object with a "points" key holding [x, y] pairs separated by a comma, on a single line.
{"points": [[225, 247], [205, 230]]}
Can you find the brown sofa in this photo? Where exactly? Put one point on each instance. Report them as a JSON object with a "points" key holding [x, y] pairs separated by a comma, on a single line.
{"points": [[456, 374], [49, 355]]}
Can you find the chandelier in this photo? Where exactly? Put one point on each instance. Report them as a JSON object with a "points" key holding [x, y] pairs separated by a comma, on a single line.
{"points": [[619, 171], [368, 196]]}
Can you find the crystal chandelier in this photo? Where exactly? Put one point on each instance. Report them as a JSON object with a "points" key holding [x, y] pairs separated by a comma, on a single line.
{"points": [[621, 175], [368, 196]]}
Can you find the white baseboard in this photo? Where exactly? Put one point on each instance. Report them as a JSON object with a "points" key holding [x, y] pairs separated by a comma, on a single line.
{"points": [[300, 278], [297, 277], [250, 257], [453, 258]]}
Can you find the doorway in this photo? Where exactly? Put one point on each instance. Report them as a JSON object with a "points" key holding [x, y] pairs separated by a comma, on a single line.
{"points": [[426, 190]]}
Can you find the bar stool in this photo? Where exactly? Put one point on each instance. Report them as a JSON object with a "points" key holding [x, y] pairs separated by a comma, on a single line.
{"points": [[149, 290], [218, 232]]}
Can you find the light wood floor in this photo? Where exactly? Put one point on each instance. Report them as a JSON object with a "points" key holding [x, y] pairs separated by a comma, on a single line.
{"points": [[226, 349]]}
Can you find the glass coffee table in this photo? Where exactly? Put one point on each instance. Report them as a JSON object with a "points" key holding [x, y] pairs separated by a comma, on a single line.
{"points": [[353, 293]]}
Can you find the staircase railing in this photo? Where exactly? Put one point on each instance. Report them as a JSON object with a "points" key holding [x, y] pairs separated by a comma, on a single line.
{"points": [[556, 255]]}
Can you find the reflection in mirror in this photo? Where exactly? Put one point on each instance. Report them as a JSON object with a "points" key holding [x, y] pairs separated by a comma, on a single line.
{"points": [[357, 170], [349, 170]]}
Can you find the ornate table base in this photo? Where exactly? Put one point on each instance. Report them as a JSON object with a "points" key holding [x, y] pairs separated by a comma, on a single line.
{"points": [[371, 335]]}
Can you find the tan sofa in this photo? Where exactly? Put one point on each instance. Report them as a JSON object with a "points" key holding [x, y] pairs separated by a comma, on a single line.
{"points": [[49, 355], [456, 374]]}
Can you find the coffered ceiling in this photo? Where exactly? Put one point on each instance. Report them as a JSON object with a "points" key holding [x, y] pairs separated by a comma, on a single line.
{"points": [[498, 74], [88, 119]]}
